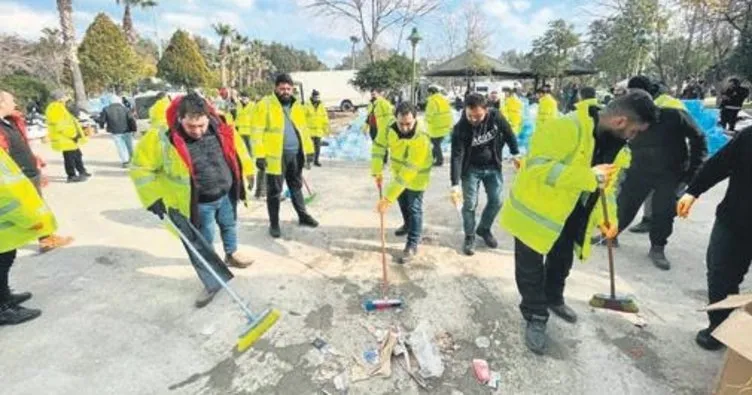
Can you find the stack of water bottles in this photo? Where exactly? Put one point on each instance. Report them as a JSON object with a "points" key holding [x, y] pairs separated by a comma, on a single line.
{"points": [[350, 144], [707, 119]]}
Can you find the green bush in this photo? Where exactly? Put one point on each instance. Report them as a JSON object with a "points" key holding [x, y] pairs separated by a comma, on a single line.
{"points": [[25, 88]]}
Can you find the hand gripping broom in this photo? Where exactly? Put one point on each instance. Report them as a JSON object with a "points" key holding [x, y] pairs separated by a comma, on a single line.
{"points": [[257, 324], [621, 303], [383, 303]]}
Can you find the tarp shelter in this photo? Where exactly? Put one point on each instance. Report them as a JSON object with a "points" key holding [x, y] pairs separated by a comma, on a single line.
{"points": [[470, 64]]}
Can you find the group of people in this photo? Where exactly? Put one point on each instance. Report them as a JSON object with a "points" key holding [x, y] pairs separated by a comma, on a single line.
{"points": [[642, 147]]}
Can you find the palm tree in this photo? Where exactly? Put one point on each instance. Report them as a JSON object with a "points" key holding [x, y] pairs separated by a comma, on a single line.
{"points": [[224, 31], [354, 40], [65, 9], [130, 32]]}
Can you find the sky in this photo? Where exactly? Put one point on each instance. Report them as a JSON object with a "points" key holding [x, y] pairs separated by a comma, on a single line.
{"points": [[512, 24]]}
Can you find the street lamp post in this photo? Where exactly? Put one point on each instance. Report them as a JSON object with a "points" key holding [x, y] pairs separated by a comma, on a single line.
{"points": [[414, 39], [354, 40]]}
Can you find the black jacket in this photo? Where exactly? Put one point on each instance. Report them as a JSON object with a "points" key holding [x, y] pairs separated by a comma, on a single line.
{"points": [[462, 137], [734, 97], [662, 149], [118, 119], [733, 161]]}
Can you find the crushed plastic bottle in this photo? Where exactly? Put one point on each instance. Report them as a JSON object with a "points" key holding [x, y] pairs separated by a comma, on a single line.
{"points": [[426, 352], [707, 120]]}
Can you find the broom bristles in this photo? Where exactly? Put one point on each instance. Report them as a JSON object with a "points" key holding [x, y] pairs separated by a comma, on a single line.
{"points": [[257, 329], [623, 304]]}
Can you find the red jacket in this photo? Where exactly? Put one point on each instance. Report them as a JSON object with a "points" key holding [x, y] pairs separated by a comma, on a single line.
{"points": [[17, 119], [226, 140]]}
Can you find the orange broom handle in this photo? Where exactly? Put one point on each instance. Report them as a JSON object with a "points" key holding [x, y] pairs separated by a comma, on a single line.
{"points": [[385, 283], [609, 242]]}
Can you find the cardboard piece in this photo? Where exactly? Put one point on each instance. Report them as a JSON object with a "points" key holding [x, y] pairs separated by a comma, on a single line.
{"points": [[735, 377]]}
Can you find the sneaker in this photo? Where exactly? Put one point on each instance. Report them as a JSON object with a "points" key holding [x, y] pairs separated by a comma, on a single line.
{"points": [[488, 238], [535, 336], [601, 241], [52, 242], [17, 299], [658, 256], [205, 297], [238, 260], [14, 315], [308, 221], [468, 247], [275, 232], [565, 312], [126, 165], [706, 340], [317, 164], [85, 175], [642, 227], [75, 179], [401, 231], [408, 255]]}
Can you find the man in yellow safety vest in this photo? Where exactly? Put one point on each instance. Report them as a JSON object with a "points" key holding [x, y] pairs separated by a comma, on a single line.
{"points": [[439, 120], [318, 123], [66, 136], [551, 207]]}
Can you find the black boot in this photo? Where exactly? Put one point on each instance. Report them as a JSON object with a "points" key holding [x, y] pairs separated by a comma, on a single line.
{"points": [[468, 247], [17, 299], [14, 315], [307, 220], [706, 340], [272, 206], [565, 312], [642, 227], [488, 238], [408, 255], [401, 231], [658, 256], [535, 336]]}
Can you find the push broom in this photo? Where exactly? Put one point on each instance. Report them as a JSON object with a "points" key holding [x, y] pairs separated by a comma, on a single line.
{"points": [[384, 303], [615, 302], [257, 324]]}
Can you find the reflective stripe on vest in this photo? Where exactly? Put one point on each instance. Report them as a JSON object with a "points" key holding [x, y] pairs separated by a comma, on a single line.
{"points": [[541, 220], [559, 166], [9, 207]]}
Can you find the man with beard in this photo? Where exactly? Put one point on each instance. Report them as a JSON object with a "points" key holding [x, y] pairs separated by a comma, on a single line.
{"points": [[282, 146], [553, 203]]}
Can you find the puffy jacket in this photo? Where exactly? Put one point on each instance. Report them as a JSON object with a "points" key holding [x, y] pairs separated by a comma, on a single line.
{"points": [[411, 157], [243, 123], [158, 114], [117, 118], [21, 208], [267, 131], [512, 111], [63, 129], [383, 113], [318, 120], [438, 116], [162, 167], [554, 177], [547, 109]]}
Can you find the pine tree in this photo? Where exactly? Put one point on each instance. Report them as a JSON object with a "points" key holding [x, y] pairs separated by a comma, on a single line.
{"points": [[182, 63], [107, 61]]}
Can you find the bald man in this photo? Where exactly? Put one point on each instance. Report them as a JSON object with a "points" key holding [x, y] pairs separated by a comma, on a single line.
{"points": [[13, 141]]}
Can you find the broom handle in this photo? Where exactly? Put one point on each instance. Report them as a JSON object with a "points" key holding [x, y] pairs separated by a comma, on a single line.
{"points": [[385, 283], [211, 270], [609, 243], [306, 186]]}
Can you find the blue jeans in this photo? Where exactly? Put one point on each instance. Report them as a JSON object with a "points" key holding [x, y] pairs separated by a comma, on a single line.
{"points": [[411, 206], [124, 145], [221, 212], [492, 182]]}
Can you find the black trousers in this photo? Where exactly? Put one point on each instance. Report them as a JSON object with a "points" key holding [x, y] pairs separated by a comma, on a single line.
{"points": [[74, 162], [728, 259], [317, 148], [6, 261], [292, 174], [541, 279], [438, 156], [729, 118], [635, 189]]}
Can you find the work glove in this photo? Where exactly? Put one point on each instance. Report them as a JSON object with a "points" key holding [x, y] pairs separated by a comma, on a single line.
{"points": [[604, 174], [308, 162], [685, 205], [609, 231], [455, 195], [251, 180], [158, 208], [382, 206], [261, 164]]}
